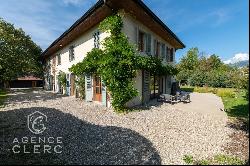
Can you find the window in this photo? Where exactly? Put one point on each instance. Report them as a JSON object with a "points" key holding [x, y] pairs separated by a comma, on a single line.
{"points": [[171, 55], [163, 51], [141, 42], [154, 86], [168, 54], [96, 37], [144, 42], [71, 53], [158, 45], [59, 59]]}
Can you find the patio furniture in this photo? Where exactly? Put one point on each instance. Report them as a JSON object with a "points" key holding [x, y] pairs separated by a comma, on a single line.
{"points": [[183, 96], [167, 97]]}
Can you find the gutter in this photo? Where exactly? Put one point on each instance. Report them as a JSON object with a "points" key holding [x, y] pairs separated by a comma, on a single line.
{"points": [[159, 21]]}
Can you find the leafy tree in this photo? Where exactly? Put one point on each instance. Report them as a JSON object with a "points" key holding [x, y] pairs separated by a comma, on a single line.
{"points": [[188, 64], [19, 55], [214, 62]]}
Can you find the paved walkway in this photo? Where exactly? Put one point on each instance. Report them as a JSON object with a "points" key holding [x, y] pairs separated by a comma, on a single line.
{"points": [[205, 103]]}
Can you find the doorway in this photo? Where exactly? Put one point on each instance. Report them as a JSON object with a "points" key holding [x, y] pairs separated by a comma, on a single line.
{"points": [[97, 86]]}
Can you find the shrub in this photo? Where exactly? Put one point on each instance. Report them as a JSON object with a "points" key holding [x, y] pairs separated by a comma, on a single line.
{"points": [[226, 93], [188, 159]]}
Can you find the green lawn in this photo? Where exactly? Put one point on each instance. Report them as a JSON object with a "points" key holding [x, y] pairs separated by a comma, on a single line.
{"points": [[3, 96]]}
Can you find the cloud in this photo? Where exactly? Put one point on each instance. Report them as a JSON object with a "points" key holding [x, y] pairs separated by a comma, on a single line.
{"points": [[237, 58], [74, 2], [43, 20]]}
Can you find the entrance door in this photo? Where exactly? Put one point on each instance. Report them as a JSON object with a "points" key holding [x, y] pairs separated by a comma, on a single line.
{"points": [[97, 96]]}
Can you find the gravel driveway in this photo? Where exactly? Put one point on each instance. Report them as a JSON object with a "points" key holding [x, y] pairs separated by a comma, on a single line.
{"points": [[93, 134]]}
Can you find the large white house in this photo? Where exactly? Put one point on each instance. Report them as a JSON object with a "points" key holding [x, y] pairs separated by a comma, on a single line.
{"points": [[142, 27]]}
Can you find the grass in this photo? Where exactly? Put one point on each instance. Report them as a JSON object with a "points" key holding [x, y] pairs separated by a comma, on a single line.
{"points": [[216, 160], [3, 96]]}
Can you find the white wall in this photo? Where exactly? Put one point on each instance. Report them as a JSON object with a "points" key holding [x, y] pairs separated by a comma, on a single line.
{"points": [[130, 29], [85, 43], [82, 45]]}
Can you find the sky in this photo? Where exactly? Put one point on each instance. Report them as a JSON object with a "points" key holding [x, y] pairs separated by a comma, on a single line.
{"points": [[218, 27]]}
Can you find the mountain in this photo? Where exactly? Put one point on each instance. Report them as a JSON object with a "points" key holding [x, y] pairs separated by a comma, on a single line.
{"points": [[240, 64]]}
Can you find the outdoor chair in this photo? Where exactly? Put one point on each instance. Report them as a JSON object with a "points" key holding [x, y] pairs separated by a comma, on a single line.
{"points": [[183, 96], [166, 97]]}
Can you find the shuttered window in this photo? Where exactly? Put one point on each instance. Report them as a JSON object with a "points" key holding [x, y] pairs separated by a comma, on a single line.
{"points": [[163, 51], [148, 44], [71, 53], [141, 41], [171, 55], [96, 37], [168, 54], [58, 59]]}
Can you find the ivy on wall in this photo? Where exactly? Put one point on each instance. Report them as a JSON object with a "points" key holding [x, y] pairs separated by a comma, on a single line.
{"points": [[118, 62], [62, 79]]}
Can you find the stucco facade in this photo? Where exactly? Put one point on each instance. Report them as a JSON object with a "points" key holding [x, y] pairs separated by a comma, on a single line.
{"points": [[145, 31], [85, 43]]}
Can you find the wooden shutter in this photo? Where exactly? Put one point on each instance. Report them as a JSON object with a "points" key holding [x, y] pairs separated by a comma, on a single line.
{"points": [[137, 36], [148, 47], [155, 47], [88, 87], [171, 55], [163, 51], [168, 55], [104, 94]]}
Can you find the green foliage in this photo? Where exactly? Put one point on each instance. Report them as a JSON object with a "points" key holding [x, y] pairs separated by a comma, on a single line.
{"points": [[90, 63], [3, 96], [226, 93], [216, 160], [188, 159], [118, 62], [19, 55], [228, 160], [202, 162], [210, 71], [80, 83], [237, 106], [62, 79]]}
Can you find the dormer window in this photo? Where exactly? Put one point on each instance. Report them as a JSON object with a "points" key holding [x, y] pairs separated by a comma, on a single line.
{"points": [[71, 53]]}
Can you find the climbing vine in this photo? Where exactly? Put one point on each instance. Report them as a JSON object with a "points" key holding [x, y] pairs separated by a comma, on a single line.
{"points": [[62, 79], [118, 62]]}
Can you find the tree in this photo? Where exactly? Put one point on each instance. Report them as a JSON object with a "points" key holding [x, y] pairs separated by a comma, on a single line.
{"points": [[188, 64], [19, 55]]}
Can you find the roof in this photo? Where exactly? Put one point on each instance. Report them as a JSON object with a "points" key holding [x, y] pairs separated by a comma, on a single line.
{"points": [[104, 8], [29, 78]]}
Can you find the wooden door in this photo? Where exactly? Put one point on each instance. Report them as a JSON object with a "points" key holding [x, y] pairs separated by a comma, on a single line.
{"points": [[97, 96]]}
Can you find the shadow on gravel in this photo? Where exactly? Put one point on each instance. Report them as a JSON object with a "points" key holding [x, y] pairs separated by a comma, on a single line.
{"points": [[82, 142], [30, 95]]}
